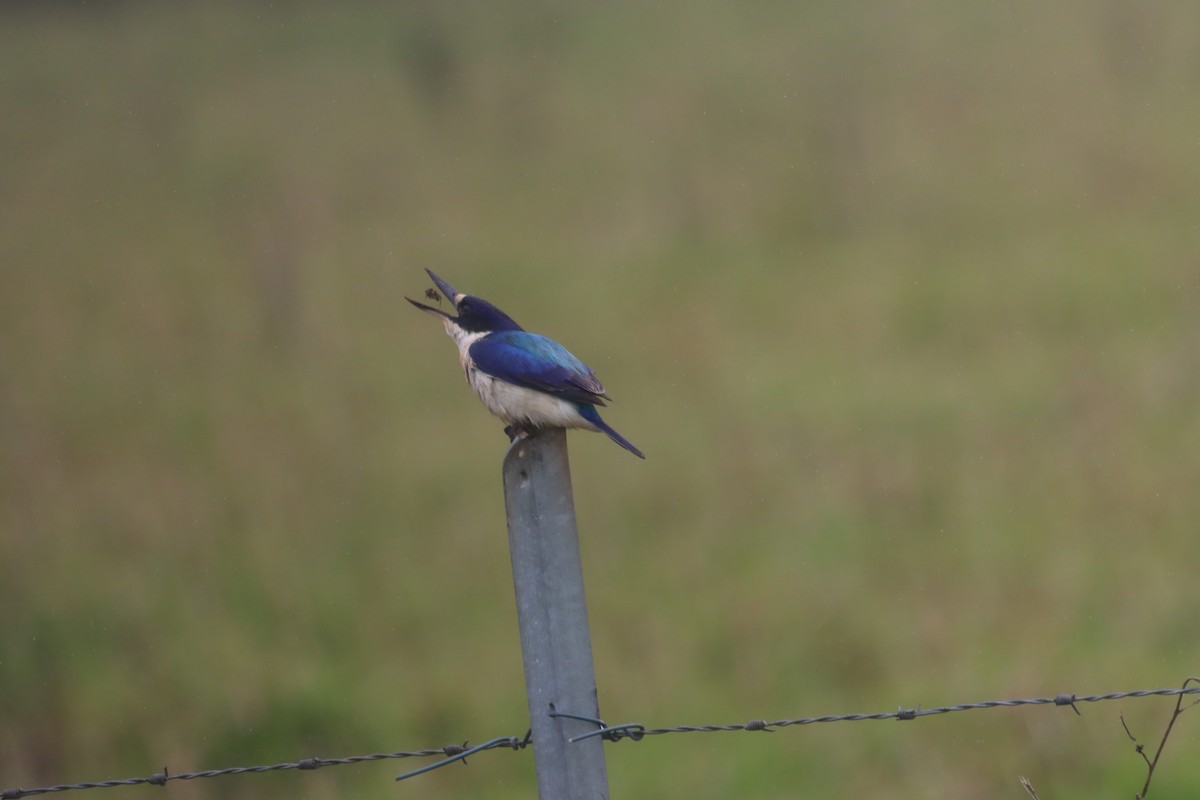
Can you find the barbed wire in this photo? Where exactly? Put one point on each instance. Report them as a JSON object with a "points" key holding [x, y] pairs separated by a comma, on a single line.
{"points": [[633, 731], [455, 752], [636, 731]]}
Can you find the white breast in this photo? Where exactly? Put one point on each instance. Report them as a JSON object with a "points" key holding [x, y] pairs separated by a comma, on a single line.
{"points": [[514, 404]]}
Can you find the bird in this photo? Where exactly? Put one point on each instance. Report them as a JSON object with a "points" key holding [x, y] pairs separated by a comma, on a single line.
{"points": [[528, 380]]}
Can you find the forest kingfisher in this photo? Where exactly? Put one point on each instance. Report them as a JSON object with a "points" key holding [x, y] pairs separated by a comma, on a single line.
{"points": [[527, 380]]}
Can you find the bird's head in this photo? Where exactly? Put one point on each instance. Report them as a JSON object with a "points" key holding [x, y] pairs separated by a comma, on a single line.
{"points": [[475, 315]]}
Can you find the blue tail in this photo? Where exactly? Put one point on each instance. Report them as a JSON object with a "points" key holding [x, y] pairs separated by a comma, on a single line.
{"points": [[590, 413]]}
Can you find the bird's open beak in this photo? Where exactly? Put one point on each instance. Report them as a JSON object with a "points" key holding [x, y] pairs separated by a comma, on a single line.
{"points": [[447, 290]]}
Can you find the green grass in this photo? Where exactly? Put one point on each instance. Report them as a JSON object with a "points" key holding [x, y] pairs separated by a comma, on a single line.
{"points": [[900, 302]]}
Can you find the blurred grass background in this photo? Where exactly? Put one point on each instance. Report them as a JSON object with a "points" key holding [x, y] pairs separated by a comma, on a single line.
{"points": [[899, 299]]}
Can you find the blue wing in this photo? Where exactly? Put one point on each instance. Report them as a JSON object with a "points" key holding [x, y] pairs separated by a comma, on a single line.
{"points": [[535, 362]]}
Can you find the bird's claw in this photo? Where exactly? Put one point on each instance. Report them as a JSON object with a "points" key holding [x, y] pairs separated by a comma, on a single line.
{"points": [[516, 433]]}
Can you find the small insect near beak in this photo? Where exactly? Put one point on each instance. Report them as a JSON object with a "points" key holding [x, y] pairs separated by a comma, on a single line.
{"points": [[453, 296]]}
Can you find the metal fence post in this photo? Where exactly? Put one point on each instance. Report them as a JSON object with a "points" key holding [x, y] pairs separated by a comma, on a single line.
{"points": [[556, 645]]}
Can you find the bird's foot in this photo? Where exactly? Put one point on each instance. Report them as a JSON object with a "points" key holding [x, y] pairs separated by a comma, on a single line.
{"points": [[516, 433]]}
